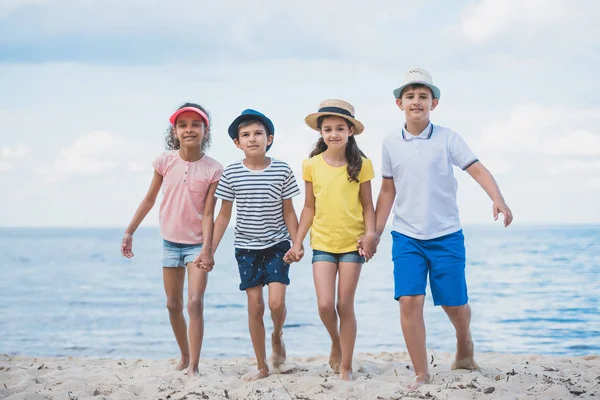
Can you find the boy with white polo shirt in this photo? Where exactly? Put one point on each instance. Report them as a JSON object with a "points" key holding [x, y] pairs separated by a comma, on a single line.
{"points": [[418, 180]]}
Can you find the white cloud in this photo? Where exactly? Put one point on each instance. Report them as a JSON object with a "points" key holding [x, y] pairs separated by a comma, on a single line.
{"points": [[551, 131], [10, 156], [8, 6], [98, 153]]}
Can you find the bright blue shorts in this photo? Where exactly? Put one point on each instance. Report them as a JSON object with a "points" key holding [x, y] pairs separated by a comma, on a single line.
{"points": [[261, 267], [179, 254], [442, 258]]}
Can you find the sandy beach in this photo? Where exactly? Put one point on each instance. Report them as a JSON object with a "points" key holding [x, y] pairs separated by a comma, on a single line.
{"points": [[380, 376]]}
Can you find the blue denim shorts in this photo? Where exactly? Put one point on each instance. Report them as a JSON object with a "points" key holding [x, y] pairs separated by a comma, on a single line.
{"points": [[351, 257], [443, 259], [179, 254], [261, 267]]}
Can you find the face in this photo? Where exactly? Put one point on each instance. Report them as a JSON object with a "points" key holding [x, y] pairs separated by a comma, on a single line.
{"points": [[335, 132], [253, 139], [189, 129], [417, 104]]}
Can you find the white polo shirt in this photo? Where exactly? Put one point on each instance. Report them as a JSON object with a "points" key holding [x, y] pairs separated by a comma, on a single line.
{"points": [[421, 167]]}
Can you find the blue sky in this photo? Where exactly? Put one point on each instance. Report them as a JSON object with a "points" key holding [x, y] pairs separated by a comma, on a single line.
{"points": [[87, 86]]}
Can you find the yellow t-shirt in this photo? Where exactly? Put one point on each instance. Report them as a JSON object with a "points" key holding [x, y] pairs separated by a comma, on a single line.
{"points": [[338, 221]]}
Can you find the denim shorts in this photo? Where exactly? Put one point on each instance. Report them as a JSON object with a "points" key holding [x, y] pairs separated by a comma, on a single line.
{"points": [[179, 254], [443, 259], [350, 257], [261, 267]]}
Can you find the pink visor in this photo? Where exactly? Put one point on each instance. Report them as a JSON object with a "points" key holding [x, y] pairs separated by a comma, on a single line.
{"points": [[198, 111]]}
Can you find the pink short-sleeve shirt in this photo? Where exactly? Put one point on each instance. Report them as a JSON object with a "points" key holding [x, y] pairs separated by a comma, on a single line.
{"points": [[185, 186]]}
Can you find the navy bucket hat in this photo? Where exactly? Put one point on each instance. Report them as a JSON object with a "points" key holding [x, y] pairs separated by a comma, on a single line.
{"points": [[249, 114]]}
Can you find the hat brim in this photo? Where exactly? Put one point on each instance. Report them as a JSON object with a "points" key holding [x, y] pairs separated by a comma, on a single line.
{"points": [[233, 127], [311, 121], [434, 89]]}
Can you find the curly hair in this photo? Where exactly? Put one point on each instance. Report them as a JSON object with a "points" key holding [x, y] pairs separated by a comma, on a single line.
{"points": [[353, 153], [171, 141]]}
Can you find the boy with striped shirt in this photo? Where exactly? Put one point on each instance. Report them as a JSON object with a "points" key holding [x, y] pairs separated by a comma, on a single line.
{"points": [[265, 223]]}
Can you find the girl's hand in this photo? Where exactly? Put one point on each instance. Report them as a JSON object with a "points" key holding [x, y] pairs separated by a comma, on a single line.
{"points": [[500, 207], [294, 254], [367, 246], [205, 260], [127, 245]]}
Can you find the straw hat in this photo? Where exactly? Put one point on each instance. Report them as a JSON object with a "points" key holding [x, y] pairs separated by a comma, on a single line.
{"points": [[338, 108], [418, 76]]}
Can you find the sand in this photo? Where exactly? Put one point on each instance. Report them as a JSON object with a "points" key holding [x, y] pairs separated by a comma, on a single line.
{"points": [[380, 376]]}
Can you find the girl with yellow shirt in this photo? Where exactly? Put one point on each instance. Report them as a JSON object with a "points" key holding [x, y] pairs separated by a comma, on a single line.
{"points": [[338, 210]]}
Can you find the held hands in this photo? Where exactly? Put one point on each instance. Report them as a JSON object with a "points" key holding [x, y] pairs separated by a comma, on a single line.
{"points": [[127, 245], [367, 245], [294, 254], [500, 207], [205, 260]]}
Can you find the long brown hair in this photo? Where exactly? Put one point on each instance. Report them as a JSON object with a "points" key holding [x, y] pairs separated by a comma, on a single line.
{"points": [[353, 153]]}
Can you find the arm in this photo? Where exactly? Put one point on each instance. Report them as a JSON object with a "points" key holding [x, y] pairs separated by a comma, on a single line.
{"points": [[306, 219], [385, 201], [221, 223], [368, 245], [291, 220], [205, 258], [141, 212], [485, 179]]}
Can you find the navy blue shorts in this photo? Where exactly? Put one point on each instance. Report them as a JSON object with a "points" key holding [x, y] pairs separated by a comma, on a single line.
{"points": [[443, 259], [261, 267]]}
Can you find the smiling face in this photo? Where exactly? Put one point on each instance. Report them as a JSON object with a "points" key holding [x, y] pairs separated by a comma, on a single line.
{"points": [[190, 129], [417, 102], [253, 139], [335, 132]]}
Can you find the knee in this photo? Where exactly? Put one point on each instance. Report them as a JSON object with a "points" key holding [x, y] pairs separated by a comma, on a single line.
{"points": [[195, 305], [326, 308], [344, 308], [277, 306], [411, 305], [174, 306], [256, 310], [457, 311]]}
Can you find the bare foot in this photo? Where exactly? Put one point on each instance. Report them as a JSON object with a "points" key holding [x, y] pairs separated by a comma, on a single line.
{"points": [[419, 381], [346, 374], [254, 376], [335, 358], [193, 372], [183, 364], [278, 348], [464, 356]]}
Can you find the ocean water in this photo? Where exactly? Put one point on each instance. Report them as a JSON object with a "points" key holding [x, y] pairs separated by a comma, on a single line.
{"points": [[69, 292]]}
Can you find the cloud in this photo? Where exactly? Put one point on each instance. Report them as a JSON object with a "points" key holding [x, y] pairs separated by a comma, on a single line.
{"points": [[550, 131], [9, 156], [97, 153], [8, 6]]}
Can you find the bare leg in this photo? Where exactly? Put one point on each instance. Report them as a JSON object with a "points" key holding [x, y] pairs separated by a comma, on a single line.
{"points": [[461, 319], [349, 274], [256, 311], [413, 328], [278, 314], [173, 279], [197, 281], [324, 275]]}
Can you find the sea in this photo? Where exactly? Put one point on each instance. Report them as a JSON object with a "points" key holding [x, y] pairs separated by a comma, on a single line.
{"points": [[69, 292]]}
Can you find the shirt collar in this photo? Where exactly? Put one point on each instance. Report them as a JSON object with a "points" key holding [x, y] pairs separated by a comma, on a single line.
{"points": [[426, 134]]}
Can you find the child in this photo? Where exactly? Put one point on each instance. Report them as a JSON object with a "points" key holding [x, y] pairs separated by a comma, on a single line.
{"points": [[427, 237], [188, 178], [338, 209], [265, 223]]}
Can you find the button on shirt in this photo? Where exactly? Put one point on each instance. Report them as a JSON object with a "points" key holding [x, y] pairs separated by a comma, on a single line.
{"points": [[422, 169]]}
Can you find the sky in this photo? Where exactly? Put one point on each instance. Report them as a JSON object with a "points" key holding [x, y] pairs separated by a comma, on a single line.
{"points": [[87, 87]]}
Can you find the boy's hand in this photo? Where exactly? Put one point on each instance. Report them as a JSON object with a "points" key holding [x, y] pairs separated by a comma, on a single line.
{"points": [[294, 254], [500, 207], [367, 246], [205, 260], [127, 245]]}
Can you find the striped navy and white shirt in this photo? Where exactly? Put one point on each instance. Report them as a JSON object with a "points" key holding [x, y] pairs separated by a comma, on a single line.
{"points": [[259, 199]]}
